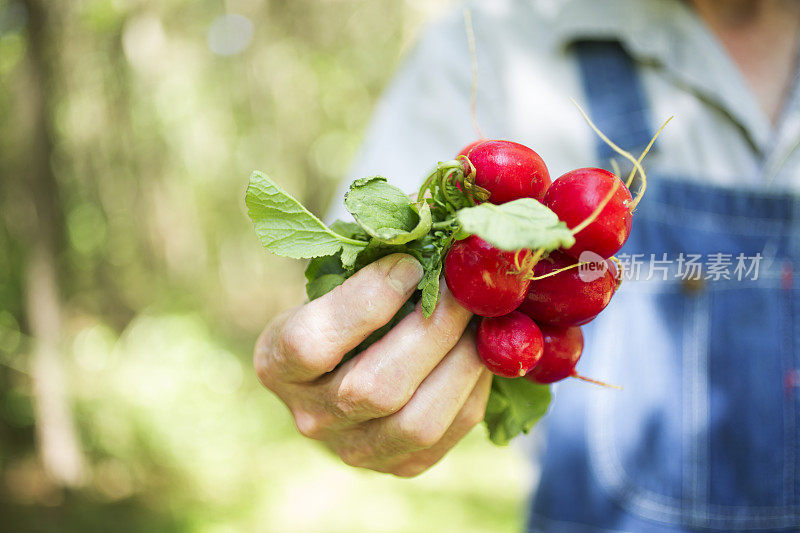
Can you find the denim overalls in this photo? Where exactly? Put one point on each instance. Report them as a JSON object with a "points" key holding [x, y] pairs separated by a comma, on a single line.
{"points": [[706, 433]]}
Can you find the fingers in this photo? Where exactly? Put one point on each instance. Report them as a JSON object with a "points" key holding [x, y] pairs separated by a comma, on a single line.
{"points": [[381, 380], [471, 414], [302, 345], [426, 419]]}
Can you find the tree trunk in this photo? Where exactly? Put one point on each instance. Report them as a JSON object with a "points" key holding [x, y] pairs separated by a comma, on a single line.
{"points": [[58, 443]]}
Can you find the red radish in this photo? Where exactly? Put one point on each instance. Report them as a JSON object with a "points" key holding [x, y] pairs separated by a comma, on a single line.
{"points": [[508, 170], [509, 345], [562, 349], [577, 194], [564, 299], [485, 280]]}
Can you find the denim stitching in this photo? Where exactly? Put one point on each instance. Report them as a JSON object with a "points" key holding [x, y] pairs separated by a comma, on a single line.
{"points": [[688, 452], [614, 481], [569, 523], [792, 442], [695, 372], [702, 400], [608, 469], [788, 410]]}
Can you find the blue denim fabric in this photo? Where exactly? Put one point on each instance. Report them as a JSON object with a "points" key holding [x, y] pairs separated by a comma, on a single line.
{"points": [[706, 433]]}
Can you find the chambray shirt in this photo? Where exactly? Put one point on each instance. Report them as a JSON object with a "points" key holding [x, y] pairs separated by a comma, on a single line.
{"points": [[526, 78]]}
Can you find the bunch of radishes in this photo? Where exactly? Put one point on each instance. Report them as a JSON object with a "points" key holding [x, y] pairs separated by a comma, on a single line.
{"points": [[513, 247], [532, 303]]}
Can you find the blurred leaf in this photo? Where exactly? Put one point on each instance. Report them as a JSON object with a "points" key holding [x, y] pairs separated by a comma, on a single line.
{"points": [[523, 223], [514, 407]]}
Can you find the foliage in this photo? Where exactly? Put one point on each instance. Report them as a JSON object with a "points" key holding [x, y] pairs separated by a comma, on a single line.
{"points": [[143, 132]]}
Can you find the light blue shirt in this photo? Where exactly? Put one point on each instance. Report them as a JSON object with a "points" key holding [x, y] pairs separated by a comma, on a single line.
{"points": [[526, 79]]}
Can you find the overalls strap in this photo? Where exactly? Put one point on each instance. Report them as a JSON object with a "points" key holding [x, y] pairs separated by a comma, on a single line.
{"points": [[614, 93], [706, 433]]}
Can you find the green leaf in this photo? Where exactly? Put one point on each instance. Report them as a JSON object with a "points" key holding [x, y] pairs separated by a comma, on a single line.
{"points": [[430, 289], [376, 250], [431, 251], [349, 254], [514, 407], [351, 230], [385, 212], [287, 228], [319, 266], [323, 285], [523, 223]]}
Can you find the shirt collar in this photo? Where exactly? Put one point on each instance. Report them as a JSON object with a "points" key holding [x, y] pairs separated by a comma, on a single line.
{"points": [[667, 35]]}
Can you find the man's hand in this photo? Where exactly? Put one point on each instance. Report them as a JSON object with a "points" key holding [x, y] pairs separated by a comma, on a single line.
{"points": [[400, 405]]}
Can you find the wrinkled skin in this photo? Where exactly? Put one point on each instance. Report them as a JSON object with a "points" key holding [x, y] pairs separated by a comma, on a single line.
{"points": [[400, 405], [484, 279], [509, 345], [562, 350]]}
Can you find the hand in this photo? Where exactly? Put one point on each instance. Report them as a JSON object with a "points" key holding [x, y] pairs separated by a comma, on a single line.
{"points": [[400, 405]]}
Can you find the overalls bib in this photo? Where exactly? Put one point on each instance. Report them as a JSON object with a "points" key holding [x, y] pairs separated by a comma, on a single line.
{"points": [[706, 433]]}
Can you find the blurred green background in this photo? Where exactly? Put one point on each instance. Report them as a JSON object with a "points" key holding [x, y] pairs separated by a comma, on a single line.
{"points": [[132, 286]]}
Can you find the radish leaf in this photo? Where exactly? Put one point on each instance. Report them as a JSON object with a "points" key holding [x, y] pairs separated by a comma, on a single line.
{"points": [[323, 285], [523, 223], [514, 407], [430, 289], [387, 213], [288, 229]]}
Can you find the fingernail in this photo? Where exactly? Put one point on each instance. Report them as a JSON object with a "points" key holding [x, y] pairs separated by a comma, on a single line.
{"points": [[404, 274]]}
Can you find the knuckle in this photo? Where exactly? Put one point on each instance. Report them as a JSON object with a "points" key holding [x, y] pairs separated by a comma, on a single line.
{"points": [[295, 340], [309, 425], [420, 433], [447, 331], [368, 397], [261, 358], [356, 456], [303, 347], [473, 415], [409, 470]]}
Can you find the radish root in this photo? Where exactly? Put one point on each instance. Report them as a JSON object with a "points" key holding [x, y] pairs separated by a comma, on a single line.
{"points": [[595, 382], [473, 99], [637, 166], [558, 271], [629, 181]]}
